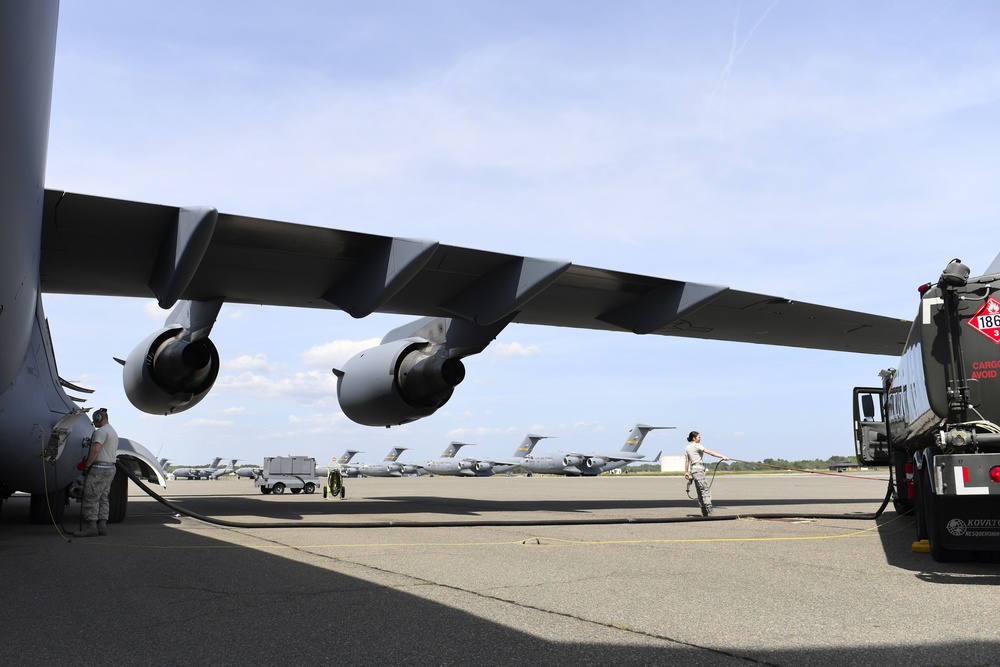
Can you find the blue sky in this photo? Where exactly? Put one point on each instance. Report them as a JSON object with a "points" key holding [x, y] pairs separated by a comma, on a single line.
{"points": [[835, 153]]}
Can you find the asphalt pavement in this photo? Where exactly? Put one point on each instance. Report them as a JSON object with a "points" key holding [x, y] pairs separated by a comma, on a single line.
{"points": [[446, 571]]}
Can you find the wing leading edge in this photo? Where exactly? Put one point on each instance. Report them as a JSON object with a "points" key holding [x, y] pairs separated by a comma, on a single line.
{"points": [[256, 261]]}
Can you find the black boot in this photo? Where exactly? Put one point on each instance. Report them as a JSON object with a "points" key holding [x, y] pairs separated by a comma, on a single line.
{"points": [[89, 530]]}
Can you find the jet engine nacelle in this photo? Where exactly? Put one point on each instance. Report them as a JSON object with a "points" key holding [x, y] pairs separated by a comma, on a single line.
{"points": [[409, 469], [396, 383], [595, 462], [165, 374], [572, 460], [483, 466], [466, 465]]}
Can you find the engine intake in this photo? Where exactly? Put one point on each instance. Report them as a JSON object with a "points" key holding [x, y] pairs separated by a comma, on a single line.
{"points": [[396, 383], [166, 374]]}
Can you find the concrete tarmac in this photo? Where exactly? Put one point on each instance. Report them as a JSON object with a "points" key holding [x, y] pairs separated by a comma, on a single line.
{"points": [[655, 589]]}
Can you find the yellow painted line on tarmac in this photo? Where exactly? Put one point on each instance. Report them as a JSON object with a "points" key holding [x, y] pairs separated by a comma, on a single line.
{"points": [[535, 540]]}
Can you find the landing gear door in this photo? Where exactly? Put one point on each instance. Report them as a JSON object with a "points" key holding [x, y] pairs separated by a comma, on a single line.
{"points": [[870, 442]]}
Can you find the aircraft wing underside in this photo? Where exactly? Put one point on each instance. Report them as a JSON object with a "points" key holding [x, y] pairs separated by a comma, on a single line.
{"points": [[610, 457], [107, 247]]}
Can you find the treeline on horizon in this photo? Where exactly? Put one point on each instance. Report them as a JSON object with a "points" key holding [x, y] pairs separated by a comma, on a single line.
{"points": [[770, 464]]}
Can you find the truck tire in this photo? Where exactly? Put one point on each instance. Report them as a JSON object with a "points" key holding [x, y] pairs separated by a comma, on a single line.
{"points": [[118, 497], [294, 490], [278, 488], [933, 520], [265, 490], [309, 487], [900, 502]]}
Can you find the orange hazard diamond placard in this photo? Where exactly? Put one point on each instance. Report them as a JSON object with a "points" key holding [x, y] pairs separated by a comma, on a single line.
{"points": [[987, 320]]}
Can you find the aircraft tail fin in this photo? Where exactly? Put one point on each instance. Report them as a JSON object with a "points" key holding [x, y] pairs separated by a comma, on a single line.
{"points": [[527, 445], [637, 435], [216, 462], [452, 449], [394, 453], [347, 456]]}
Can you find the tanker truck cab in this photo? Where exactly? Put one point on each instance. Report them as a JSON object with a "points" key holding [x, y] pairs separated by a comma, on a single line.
{"points": [[870, 442], [940, 418]]}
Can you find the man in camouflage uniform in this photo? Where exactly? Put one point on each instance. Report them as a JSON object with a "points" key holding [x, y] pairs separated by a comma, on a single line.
{"points": [[99, 472]]}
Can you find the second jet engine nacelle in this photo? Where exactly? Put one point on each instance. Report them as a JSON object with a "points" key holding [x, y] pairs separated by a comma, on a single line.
{"points": [[396, 383], [572, 460], [165, 374], [595, 462], [483, 466]]}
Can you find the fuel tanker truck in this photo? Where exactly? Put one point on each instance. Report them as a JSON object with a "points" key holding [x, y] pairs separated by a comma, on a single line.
{"points": [[935, 421]]}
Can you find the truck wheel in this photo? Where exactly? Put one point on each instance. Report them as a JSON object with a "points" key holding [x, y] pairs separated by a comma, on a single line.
{"points": [[293, 490], [278, 488], [118, 497], [933, 505], [309, 487], [900, 502], [265, 490]]}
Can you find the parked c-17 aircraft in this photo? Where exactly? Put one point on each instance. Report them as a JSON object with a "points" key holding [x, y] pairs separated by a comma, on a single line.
{"points": [[449, 463], [390, 466], [198, 473], [194, 259], [227, 470], [578, 464], [249, 472]]}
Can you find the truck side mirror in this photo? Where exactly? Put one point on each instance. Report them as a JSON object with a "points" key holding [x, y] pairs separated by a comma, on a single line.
{"points": [[868, 407]]}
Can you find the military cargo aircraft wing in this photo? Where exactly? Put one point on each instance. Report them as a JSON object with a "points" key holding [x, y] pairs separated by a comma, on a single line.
{"points": [[99, 246], [610, 456]]}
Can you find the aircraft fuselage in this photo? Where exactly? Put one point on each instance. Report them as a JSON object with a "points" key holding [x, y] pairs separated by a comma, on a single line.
{"points": [[41, 430]]}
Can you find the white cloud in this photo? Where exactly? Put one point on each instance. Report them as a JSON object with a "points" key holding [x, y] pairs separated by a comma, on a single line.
{"points": [[307, 388], [335, 353], [249, 362], [513, 350]]}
